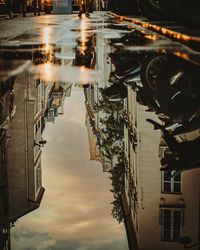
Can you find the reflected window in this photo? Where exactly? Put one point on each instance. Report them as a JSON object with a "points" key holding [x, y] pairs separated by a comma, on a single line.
{"points": [[91, 95], [38, 177], [171, 184], [37, 126], [172, 222]]}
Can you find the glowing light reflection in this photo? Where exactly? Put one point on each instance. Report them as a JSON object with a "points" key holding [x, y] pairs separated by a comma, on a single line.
{"points": [[46, 38], [83, 38], [47, 72], [152, 37], [48, 48]]}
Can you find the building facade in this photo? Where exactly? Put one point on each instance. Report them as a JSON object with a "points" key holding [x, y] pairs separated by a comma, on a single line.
{"points": [[24, 148], [162, 208]]}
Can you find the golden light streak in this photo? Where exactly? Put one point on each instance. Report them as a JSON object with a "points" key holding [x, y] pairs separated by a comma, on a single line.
{"points": [[185, 39], [46, 38], [47, 46], [47, 72], [152, 37], [83, 38]]}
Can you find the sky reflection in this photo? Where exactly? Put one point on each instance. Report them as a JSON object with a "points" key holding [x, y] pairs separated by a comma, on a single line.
{"points": [[50, 72], [75, 211]]}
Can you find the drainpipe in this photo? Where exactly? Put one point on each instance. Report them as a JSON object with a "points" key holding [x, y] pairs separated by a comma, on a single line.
{"points": [[26, 133]]}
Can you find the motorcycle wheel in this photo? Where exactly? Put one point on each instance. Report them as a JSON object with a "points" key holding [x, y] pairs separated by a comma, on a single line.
{"points": [[183, 11], [150, 71], [151, 9], [177, 91]]}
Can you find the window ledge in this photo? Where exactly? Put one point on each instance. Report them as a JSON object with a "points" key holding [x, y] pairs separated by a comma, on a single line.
{"points": [[179, 205], [173, 193]]}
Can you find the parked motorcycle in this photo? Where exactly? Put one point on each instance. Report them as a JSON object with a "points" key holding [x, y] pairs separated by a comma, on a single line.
{"points": [[170, 88]]}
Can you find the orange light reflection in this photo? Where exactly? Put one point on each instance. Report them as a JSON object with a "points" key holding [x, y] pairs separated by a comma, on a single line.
{"points": [[83, 38], [46, 38], [47, 72], [47, 46]]}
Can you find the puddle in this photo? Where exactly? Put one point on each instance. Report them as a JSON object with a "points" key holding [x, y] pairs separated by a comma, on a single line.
{"points": [[99, 138]]}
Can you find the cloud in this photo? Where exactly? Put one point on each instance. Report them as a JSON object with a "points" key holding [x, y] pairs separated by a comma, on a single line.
{"points": [[27, 233], [26, 239], [29, 248], [74, 245], [38, 241]]}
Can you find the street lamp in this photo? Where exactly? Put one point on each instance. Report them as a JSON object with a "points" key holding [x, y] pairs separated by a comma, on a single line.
{"points": [[185, 240]]}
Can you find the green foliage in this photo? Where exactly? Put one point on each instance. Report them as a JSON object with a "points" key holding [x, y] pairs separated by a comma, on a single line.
{"points": [[114, 134], [117, 178], [106, 106], [112, 124], [113, 129], [116, 210]]}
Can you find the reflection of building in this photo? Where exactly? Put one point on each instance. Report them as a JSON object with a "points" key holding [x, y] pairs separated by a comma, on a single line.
{"points": [[4, 208], [56, 99], [21, 128], [94, 136], [21, 142], [102, 124], [7, 111], [162, 209], [93, 97], [92, 139], [23, 150]]}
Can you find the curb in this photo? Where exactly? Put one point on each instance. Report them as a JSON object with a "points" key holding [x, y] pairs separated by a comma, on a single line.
{"points": [[192, 42]]}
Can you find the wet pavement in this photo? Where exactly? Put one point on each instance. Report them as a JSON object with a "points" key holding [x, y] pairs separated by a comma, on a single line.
{"points": [[190, 36], [99, 125]]}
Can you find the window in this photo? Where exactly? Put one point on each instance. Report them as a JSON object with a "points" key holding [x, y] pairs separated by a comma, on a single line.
{"points": [[171, 222], [51, 113], [171, 185], [38, 177], [37, 127], [38, 124]]}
